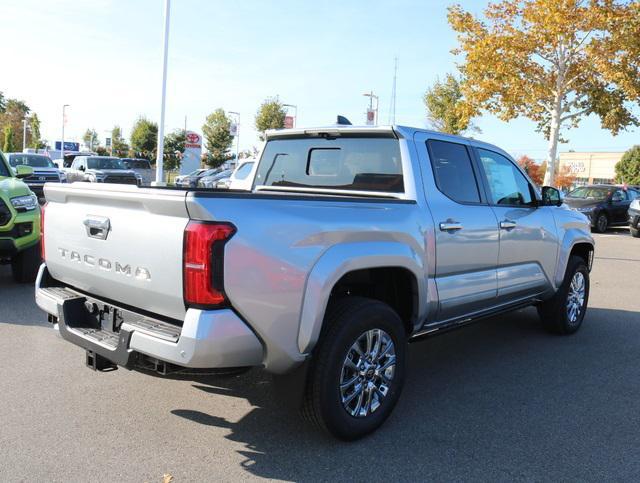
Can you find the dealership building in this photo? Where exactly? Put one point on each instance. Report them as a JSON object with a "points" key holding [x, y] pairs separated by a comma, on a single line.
{"points": [[591, 168]]}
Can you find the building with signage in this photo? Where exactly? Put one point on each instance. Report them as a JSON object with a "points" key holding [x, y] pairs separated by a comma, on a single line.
{"points": [[591, 168]]}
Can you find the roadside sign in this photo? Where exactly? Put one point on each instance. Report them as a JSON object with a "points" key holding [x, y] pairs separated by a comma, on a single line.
{"points": [[192, 153], [233, 129], [68, 146], [107, 142], [288, 122]]}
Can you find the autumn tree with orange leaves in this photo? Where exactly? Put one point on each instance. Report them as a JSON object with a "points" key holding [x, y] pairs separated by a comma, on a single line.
{"points": [[552, 61], [532, 168]]}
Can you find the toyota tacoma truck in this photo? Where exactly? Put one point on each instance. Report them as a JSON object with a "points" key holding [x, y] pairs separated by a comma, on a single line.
{"points": [[19, 222], [352, 242]]}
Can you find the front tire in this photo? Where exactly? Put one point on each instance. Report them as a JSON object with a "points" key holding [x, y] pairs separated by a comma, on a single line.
{"points": [[635, 232], [602, 222], [25, 265], [358, 369], [565, 311]]}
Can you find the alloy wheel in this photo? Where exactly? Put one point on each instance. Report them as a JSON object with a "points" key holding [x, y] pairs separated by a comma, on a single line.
{"points": [[367, 373]]}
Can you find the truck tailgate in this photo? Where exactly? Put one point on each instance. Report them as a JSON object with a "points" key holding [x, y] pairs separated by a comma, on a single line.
{"points": [[118, 242]]}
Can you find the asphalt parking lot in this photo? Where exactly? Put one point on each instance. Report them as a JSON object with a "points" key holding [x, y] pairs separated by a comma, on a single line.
{"points": [[497, 401]]}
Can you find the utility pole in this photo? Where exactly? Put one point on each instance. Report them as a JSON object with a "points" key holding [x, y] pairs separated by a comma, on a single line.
{"points": [[64, 120], [24, 134], [392, 107], [160, 153], [237, 114]]}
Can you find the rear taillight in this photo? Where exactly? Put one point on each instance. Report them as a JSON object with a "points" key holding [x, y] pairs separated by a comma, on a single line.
{"points": [[203, 264], [42, 251]]}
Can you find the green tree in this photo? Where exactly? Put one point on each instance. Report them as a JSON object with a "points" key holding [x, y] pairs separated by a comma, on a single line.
{"points": [[119, 146], [553, 61], [218, 139], [35, 141], [628, 168], [8, 145], [144, 138], [446, 109], [270, 115], [90, 138], [173, 149], [15, 111]]}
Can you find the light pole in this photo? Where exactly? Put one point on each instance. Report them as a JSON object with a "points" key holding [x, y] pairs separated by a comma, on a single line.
{"points": [[371, 97], [64, 120], [237, 114], [24, 134], [160, 153], [295, 116]]}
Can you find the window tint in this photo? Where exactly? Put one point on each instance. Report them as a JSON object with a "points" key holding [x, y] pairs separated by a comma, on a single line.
{"points": [[507, 185], [344, 163], [33, 160], [4, 170], [633, 194], [619, 195], [453, 171]]}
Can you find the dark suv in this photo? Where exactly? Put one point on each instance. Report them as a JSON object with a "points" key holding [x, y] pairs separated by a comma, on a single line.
{"points": [[605, 205]]}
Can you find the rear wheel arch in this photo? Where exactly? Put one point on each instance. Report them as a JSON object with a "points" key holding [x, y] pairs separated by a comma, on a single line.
{"points": [[370, 273]]}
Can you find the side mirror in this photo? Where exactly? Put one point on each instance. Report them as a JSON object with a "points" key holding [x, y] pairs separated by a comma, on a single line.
{"points": [[551, 196], [127, 165], [23, 171], [81, 168]]}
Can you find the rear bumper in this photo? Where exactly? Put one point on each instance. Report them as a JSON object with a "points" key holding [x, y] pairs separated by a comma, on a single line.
{"points": [[207, 339]]}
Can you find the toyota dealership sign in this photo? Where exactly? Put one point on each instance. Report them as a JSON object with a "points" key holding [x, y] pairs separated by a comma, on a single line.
{"points": [[192, 153]]}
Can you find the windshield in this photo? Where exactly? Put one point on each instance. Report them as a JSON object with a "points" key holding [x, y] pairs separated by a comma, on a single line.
{"points": [[33, 160], [589, 193], [138, 164], [4, 169], [105, 163], [342, 163]]}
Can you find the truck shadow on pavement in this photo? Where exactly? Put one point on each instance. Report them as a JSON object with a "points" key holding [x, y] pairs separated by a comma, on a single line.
{"points": [[498, 400], [17, 302]]}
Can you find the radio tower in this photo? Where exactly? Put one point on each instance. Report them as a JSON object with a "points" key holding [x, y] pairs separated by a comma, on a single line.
{"points": [[392, 107]]}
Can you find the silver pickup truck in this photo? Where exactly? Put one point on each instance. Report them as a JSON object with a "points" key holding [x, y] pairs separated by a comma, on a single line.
{"points": [[353, 242]]}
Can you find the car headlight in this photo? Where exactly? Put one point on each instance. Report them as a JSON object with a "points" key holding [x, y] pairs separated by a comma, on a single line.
{"points": [[96, 178], [63, 177], [25, 203]]}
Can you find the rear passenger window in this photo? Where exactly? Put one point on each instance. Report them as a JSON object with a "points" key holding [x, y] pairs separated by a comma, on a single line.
{"points": [[453, 171]]}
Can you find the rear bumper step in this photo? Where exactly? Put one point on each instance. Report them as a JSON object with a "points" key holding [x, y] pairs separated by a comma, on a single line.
{"points": [[207, 339]]}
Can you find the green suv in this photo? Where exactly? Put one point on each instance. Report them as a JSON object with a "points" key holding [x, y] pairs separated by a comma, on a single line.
{"points": [[19, 223]]}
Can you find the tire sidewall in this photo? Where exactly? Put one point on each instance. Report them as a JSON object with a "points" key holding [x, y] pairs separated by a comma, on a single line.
{"points": [[576, 265], [336, 418], [600, 216]]}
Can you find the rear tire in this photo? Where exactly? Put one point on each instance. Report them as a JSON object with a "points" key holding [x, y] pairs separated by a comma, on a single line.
{"points": [[565, 311], [25, 265], [635, 232], [358, 368], [602, 223]]}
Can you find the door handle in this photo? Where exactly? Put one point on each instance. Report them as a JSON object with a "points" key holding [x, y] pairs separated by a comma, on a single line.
{"points": [[450, 226], [507, 224]]}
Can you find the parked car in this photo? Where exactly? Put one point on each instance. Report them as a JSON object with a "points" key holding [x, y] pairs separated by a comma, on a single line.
{"points": [[604, 205], [69, 156], [191, 181], [142, 167], [179, 179], [241, 178], [634, 218], [44, 171], [212, 181], [19, 223], [353, 241], [101, 169]]}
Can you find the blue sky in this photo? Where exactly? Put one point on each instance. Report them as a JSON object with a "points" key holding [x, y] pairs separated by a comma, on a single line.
{"points": [[103, 57]]}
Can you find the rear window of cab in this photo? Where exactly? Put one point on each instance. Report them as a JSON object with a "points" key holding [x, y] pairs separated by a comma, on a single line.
{"points": [[370, 164]]}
